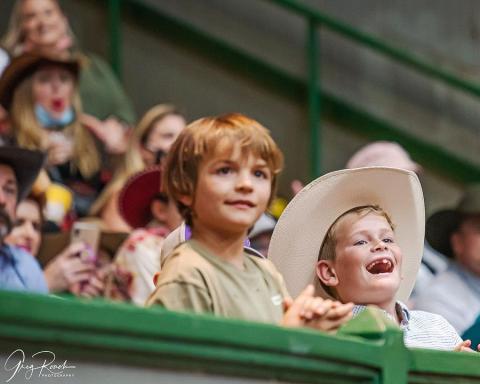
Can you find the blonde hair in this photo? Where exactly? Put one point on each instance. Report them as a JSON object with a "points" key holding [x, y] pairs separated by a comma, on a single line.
{"points": [[14, 37], [207, 136], [29, 134], [132, 161]]}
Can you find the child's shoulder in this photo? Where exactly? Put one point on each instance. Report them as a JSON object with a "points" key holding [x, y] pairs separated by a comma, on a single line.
{"points": [[184, 257]]}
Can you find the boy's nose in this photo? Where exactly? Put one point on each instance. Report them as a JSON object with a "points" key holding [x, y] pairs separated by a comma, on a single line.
{"points": [[244, 181], [380, 246]]}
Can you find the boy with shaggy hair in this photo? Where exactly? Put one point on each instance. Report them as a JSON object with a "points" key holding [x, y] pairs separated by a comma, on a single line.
{"points": [[222, 173], [342, 238]]}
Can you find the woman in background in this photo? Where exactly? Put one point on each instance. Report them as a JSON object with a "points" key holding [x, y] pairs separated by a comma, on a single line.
{"points": [[62, 271], [40, 93], [41, 25], [149, 141]]}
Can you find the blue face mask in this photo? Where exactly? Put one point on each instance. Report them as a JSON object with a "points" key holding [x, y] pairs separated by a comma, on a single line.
{"points": [[48, 121]]}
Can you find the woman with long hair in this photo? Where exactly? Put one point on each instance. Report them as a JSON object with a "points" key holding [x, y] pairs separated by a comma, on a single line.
{"points": [[40, 93], [149, 141], [41, 25]]}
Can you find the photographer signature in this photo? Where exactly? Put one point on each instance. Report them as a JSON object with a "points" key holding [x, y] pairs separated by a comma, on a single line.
{"points": [[16, 363]]}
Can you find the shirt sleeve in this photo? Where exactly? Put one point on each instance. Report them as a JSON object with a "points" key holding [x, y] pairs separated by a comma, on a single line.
{"points": [[182, 296]]}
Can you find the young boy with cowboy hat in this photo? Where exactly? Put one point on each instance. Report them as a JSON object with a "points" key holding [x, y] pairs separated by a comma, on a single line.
{"points": [[222, 173], [455, 233], [358, 235]]}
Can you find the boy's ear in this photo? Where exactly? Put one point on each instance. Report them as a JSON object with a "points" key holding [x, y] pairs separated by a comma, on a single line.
{"points": [[326, 273], [186, 200]]}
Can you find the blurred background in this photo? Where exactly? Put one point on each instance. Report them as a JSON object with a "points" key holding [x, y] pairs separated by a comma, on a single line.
{"points": [[326, 77]]}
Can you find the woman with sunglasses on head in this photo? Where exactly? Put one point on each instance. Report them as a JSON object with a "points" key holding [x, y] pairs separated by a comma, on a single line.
{"points": [[149, 141]]}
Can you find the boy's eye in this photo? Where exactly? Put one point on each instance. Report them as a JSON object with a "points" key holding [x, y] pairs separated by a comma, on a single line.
{"points": [[224, 170], [360, 242], [388, 240], [260, 173]]}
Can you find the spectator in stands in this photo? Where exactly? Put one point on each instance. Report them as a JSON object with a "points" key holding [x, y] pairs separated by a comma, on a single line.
{"points": [[145, 207], [391, 154], [149, 141], [42, 25], [41, 95], [222, 172], [18, 169], [261, 233], [358, 234], [61, 271], [455, 293]]}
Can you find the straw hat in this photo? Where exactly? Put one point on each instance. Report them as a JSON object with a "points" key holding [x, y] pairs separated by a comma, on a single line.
{"points": [[443, 223], [300, 231], [25, 65]]}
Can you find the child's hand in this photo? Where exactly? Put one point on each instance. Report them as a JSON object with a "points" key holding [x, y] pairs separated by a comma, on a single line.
{"points": [[465, 346], [337, 315], [296, 311]]}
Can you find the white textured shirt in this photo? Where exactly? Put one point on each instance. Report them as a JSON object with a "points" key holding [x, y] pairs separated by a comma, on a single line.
{"points": [[423, 329], [454, 294]]}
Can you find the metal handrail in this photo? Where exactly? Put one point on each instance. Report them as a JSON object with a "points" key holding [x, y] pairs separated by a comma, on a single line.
{"points": [[379, 46], [315, 19]]}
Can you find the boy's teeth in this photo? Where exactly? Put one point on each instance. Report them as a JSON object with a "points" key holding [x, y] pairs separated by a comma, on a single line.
{"points": [[380, 266]]}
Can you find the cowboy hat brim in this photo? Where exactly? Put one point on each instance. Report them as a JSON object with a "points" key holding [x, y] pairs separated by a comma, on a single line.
{"points": [[299, 233], [25, 65], [439, 229], [137, 195], [25, 163]]}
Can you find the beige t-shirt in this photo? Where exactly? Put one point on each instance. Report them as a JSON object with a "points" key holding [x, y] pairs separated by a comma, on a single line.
{"points": [[193, 279]]}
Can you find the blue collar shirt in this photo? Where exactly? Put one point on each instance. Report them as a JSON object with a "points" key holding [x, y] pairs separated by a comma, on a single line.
{"points": [[20, 271]]}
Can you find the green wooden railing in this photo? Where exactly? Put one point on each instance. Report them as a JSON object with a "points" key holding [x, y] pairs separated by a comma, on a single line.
{"points": [[119, 343], [320, 103]]}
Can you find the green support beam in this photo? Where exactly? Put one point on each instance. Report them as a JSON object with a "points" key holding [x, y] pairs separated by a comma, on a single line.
{"points": [[379, 46], [346, 115], [115, 38]]}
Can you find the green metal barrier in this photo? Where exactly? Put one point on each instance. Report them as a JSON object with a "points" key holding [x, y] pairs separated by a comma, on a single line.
{"points": [[319, 102], [116, 343]]}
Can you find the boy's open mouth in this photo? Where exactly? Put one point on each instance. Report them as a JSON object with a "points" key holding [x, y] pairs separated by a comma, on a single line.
{"points": [[383, 265]]}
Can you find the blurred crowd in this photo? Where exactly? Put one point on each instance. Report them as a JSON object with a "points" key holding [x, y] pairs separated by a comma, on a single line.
{"points": [[83, 206]]}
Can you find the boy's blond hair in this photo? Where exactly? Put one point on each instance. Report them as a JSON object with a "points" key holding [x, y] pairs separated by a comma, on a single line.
{"points": [[327, 250], [207, 137]]}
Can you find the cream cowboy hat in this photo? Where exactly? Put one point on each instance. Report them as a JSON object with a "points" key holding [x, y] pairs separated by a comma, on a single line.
{"points": [[300, 231]]}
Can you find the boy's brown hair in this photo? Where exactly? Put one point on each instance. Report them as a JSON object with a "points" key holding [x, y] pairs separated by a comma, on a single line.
{"points": [[208, 136]]}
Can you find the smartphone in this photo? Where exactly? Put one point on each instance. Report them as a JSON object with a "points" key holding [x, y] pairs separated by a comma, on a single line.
{"points": [[88, 233]]}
